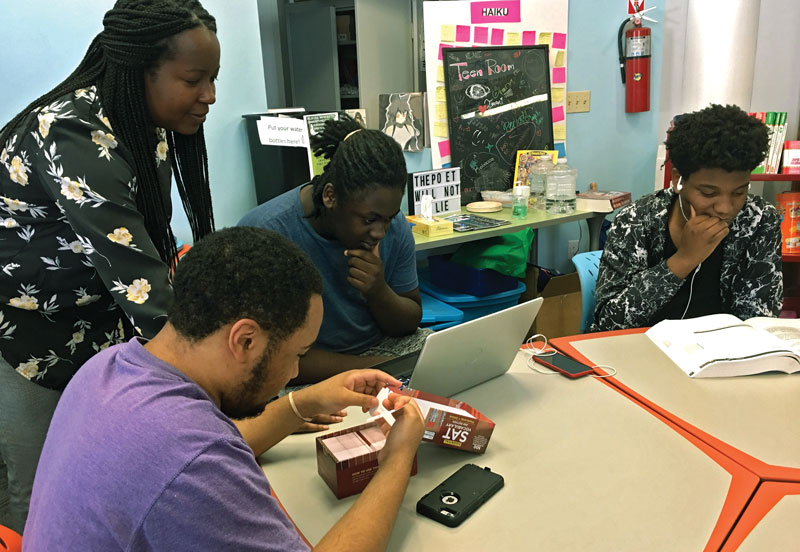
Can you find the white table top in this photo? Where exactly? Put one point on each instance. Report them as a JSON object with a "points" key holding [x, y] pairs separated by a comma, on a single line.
{"points": [[585, 469], [758, 415]]}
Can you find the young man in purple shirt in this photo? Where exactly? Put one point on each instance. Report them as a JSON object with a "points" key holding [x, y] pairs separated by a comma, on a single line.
{"points": [[143, 452]]}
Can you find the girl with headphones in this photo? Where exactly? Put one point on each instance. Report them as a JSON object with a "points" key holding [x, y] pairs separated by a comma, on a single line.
{"points": [[703, 246]]}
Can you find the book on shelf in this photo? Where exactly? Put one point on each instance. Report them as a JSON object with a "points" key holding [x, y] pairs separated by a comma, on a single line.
{"points": [[315, 123], [791, 157], [722, 345], [601, 202], [775, 122]]}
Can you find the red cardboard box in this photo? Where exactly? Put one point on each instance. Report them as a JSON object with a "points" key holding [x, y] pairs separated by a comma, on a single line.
{"points": [[451, 423], [348, 459]]}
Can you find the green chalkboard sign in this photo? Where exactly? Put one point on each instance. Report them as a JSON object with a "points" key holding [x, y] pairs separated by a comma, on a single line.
{"points": [[498, 102]]}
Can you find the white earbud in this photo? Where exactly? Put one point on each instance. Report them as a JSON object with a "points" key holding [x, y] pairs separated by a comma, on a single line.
{"points": [[678, 188]]}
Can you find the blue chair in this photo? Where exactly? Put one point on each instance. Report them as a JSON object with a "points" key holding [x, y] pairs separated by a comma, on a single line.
{"points": [[587, 265]]}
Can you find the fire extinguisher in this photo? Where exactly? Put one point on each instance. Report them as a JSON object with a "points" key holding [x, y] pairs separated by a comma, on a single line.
{"points": [[634, 63]]}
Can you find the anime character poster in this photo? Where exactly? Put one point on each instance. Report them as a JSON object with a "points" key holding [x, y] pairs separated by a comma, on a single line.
{"points": [[402, 116]]}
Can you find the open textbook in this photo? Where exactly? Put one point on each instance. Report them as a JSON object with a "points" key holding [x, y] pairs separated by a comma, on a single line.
{"points": [[721, 345]]}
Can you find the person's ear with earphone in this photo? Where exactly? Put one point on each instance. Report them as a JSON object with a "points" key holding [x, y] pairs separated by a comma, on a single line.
{"points": [[697, 232]]}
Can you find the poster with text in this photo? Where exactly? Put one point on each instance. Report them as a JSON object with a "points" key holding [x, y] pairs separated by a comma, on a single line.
{"points": [[497, 104], [478, 24]]}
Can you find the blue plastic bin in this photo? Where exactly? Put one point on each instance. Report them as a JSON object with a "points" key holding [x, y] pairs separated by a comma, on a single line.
{"points": [[466, 279], [471, 305], [438, 315]]}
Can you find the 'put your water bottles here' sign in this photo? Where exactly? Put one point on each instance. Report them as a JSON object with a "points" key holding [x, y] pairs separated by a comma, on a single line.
{"points": [[442, 185]]}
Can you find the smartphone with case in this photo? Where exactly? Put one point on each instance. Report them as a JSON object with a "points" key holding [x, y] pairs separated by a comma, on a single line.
{"points": [[455, 498], [564, 365]]}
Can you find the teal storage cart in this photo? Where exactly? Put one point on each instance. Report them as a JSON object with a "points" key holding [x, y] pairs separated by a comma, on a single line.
{"points": [[438, 315], [471, 305]]}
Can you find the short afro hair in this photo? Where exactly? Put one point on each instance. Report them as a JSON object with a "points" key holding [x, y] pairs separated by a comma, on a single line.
{"points": [[243, 272], [717, 137]]}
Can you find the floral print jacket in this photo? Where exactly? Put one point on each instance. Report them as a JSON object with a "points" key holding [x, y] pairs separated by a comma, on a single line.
{"points": [[78, 270], [633, 282]]}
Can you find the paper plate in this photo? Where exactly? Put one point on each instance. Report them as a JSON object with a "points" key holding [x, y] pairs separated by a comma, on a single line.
{"points": [[484, 207]]}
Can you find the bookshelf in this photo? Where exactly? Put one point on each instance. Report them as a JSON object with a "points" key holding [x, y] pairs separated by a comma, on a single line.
{"points": [[793, 178]]}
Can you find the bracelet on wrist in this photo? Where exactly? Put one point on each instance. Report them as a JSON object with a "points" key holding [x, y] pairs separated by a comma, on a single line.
{"points": [[294, 408]]}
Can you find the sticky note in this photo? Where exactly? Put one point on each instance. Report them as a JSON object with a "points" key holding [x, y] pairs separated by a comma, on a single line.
{"points": [[448, 33], [441, 110], [560, 40], [561, 149], [444, 148], [442, 47], [440, 73], [557, 95], [513, 39], [559, 59], [559, 132], [545, 38], [497, 37], [528, 38], [446, 165], [439, 97], [559, 75], [463, 33], [440, 129], [558, 114], [481, 35]]}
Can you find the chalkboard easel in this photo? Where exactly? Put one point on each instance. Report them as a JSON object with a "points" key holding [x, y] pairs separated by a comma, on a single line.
{"points": [[498, 102]]}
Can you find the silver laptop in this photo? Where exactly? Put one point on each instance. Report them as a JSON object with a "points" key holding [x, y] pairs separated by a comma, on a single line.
{"points": [[463, 356]]}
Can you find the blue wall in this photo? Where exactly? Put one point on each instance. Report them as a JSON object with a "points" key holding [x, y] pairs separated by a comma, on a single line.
{"points": [[41, 45], [615, 149]]}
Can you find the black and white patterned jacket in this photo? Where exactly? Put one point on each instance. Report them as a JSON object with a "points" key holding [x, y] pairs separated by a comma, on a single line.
{"points": [[634, 282]]}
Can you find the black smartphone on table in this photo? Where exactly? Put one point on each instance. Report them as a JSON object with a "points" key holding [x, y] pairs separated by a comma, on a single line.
{"points": [[564, 365], [455, 498]]}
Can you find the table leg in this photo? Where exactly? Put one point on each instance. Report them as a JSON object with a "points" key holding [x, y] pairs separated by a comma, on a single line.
{"points": [[595, 223]]}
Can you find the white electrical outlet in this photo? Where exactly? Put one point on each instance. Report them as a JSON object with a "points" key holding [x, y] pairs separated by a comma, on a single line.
{"points": [[572, 248]]}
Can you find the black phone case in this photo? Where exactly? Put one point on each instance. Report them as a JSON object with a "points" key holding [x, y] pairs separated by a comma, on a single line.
{"points": [[455, 498]]}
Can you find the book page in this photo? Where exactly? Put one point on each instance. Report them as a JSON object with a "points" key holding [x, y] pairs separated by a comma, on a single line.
{"points": [[696, 343], [785, 329]]}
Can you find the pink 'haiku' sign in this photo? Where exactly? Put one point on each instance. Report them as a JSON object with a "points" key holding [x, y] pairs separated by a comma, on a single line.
{"points": [[499, 11]]}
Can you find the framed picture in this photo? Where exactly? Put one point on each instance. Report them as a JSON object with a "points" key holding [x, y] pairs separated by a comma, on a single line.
{"points": [[498, 102]]}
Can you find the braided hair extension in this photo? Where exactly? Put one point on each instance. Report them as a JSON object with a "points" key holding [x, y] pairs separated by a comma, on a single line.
{"points": [[137, 36], [364, 160]]}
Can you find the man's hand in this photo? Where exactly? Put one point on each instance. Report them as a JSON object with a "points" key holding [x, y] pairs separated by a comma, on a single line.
{"points": [[321, 422], [366, 271], [406, 433], [352, 388], [700, 236]]}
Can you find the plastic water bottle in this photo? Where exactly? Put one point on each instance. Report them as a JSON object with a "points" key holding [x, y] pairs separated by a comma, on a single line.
{"points": [[538, 181], [519, 209], [560, 191]]}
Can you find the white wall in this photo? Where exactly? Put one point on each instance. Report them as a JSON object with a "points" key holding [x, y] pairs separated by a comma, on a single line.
{"points": [[41, 45]]}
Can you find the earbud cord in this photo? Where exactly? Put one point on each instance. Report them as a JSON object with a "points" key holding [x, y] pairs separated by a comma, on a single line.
{"points": [[696, 270]]}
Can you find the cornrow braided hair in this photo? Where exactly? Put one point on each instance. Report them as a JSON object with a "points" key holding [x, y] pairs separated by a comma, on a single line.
{"points": [[366, 160], [136, 37]]}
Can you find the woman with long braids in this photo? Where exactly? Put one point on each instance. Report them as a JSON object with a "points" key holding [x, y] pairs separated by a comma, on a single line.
{"points": [[349, 222], [85, 241]]}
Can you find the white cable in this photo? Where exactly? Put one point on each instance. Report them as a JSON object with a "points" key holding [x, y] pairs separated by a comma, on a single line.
{"points": [[543, 351], [691, 289]]}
